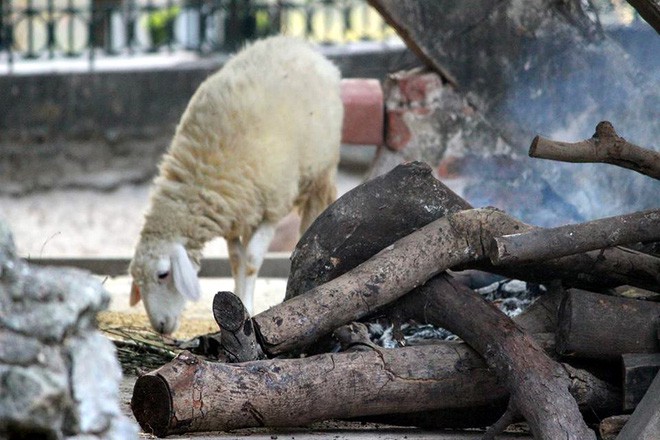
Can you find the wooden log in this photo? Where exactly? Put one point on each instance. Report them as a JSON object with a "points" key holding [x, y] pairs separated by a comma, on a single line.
{"points": [[599, 326], [605, 146], [396, 270], [594, 270], [366, 220], [237, 335], [409, 197], [190, 395], [644, 423], [639, 369], [543, 244], [447, 242], [610, 427], [538, 386], [193, 395]]}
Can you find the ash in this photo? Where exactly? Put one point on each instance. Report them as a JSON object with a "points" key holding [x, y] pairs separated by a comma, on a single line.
{"points": [[512, 297]]}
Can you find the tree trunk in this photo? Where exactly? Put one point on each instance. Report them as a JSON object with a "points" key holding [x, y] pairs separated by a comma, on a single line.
{"points": [[529, 68], [549, 49]]}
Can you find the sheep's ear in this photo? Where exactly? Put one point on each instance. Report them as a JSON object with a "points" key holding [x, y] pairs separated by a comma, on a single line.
{"points": [[184, 274], [135, 294]]}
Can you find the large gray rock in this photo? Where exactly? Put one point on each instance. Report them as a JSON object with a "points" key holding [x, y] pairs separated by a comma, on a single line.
{"points": [[59, 377]]}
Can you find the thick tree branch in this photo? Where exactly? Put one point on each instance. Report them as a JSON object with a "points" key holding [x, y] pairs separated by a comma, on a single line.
{"points": [[456, 239], [538, 385], [388, 275], [193, 395], [543, 244], [605, 146], [593, 325]]}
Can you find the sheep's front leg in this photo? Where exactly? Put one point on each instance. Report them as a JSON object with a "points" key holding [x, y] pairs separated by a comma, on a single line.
{"points": [[256, 249]]}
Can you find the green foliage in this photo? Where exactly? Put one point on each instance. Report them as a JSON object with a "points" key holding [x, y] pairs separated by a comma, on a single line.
{"points": [[161, 25]]}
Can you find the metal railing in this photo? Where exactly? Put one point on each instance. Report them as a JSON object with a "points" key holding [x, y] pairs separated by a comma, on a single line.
{"points": [[50, 29]]}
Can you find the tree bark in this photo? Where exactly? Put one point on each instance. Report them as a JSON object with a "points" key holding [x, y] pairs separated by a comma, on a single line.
{"points": [[237, 335], [394, 271], [598, 326], [605, 146], [644, 423], [543, 244], [449, 379], [538, 385], [366, 220], [349, 233], [453, 240], [639, 369], [594, 270]]}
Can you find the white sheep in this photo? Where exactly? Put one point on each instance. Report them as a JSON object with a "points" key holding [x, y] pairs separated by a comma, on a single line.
{"points": [[258, 138]]}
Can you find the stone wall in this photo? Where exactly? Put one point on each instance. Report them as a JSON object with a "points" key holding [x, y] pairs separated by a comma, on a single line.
{"points": [[59, 376], [430, 121]]}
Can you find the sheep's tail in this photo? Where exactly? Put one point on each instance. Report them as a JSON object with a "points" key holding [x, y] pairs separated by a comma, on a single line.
{"points": [[320, 194]]}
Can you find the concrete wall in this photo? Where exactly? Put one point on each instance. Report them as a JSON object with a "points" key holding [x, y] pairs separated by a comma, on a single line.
{"points": [[101, 129]]}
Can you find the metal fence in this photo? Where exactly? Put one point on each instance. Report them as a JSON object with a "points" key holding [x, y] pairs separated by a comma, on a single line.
{"points": [[49, 29]]}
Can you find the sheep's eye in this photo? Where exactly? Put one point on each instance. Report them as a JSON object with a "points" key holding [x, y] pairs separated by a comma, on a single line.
{"points": [[163, 275]]}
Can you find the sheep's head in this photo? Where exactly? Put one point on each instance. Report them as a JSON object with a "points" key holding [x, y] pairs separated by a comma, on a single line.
{"points": [[163, 277]]}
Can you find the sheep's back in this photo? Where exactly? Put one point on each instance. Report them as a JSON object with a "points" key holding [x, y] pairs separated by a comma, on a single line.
{"points": [[265, 125]]}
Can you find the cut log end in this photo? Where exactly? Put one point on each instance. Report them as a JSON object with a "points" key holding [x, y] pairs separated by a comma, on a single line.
{"points": [[152, 405], [534, 146], [228, 311]]}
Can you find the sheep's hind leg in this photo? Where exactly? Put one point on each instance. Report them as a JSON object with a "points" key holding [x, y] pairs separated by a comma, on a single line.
{"points": [[256, 248], [238, 263]]}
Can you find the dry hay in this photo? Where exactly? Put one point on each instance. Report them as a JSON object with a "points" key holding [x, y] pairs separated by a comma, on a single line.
{"points": [[139, 348]]}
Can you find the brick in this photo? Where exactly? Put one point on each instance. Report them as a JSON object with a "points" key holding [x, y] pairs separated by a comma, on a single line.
{"points": [[363, 111], [410, 95]]}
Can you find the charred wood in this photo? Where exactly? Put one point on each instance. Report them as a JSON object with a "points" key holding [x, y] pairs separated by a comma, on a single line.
{"points": [[644, 423], [593, 325], [366, 220], [639, 369]]}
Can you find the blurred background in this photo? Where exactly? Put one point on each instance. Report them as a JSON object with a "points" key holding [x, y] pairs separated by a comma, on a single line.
{"points": [[91, 90]]}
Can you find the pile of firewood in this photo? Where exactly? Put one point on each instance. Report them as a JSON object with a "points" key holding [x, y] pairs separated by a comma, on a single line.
{"points": [[396, 248]]}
